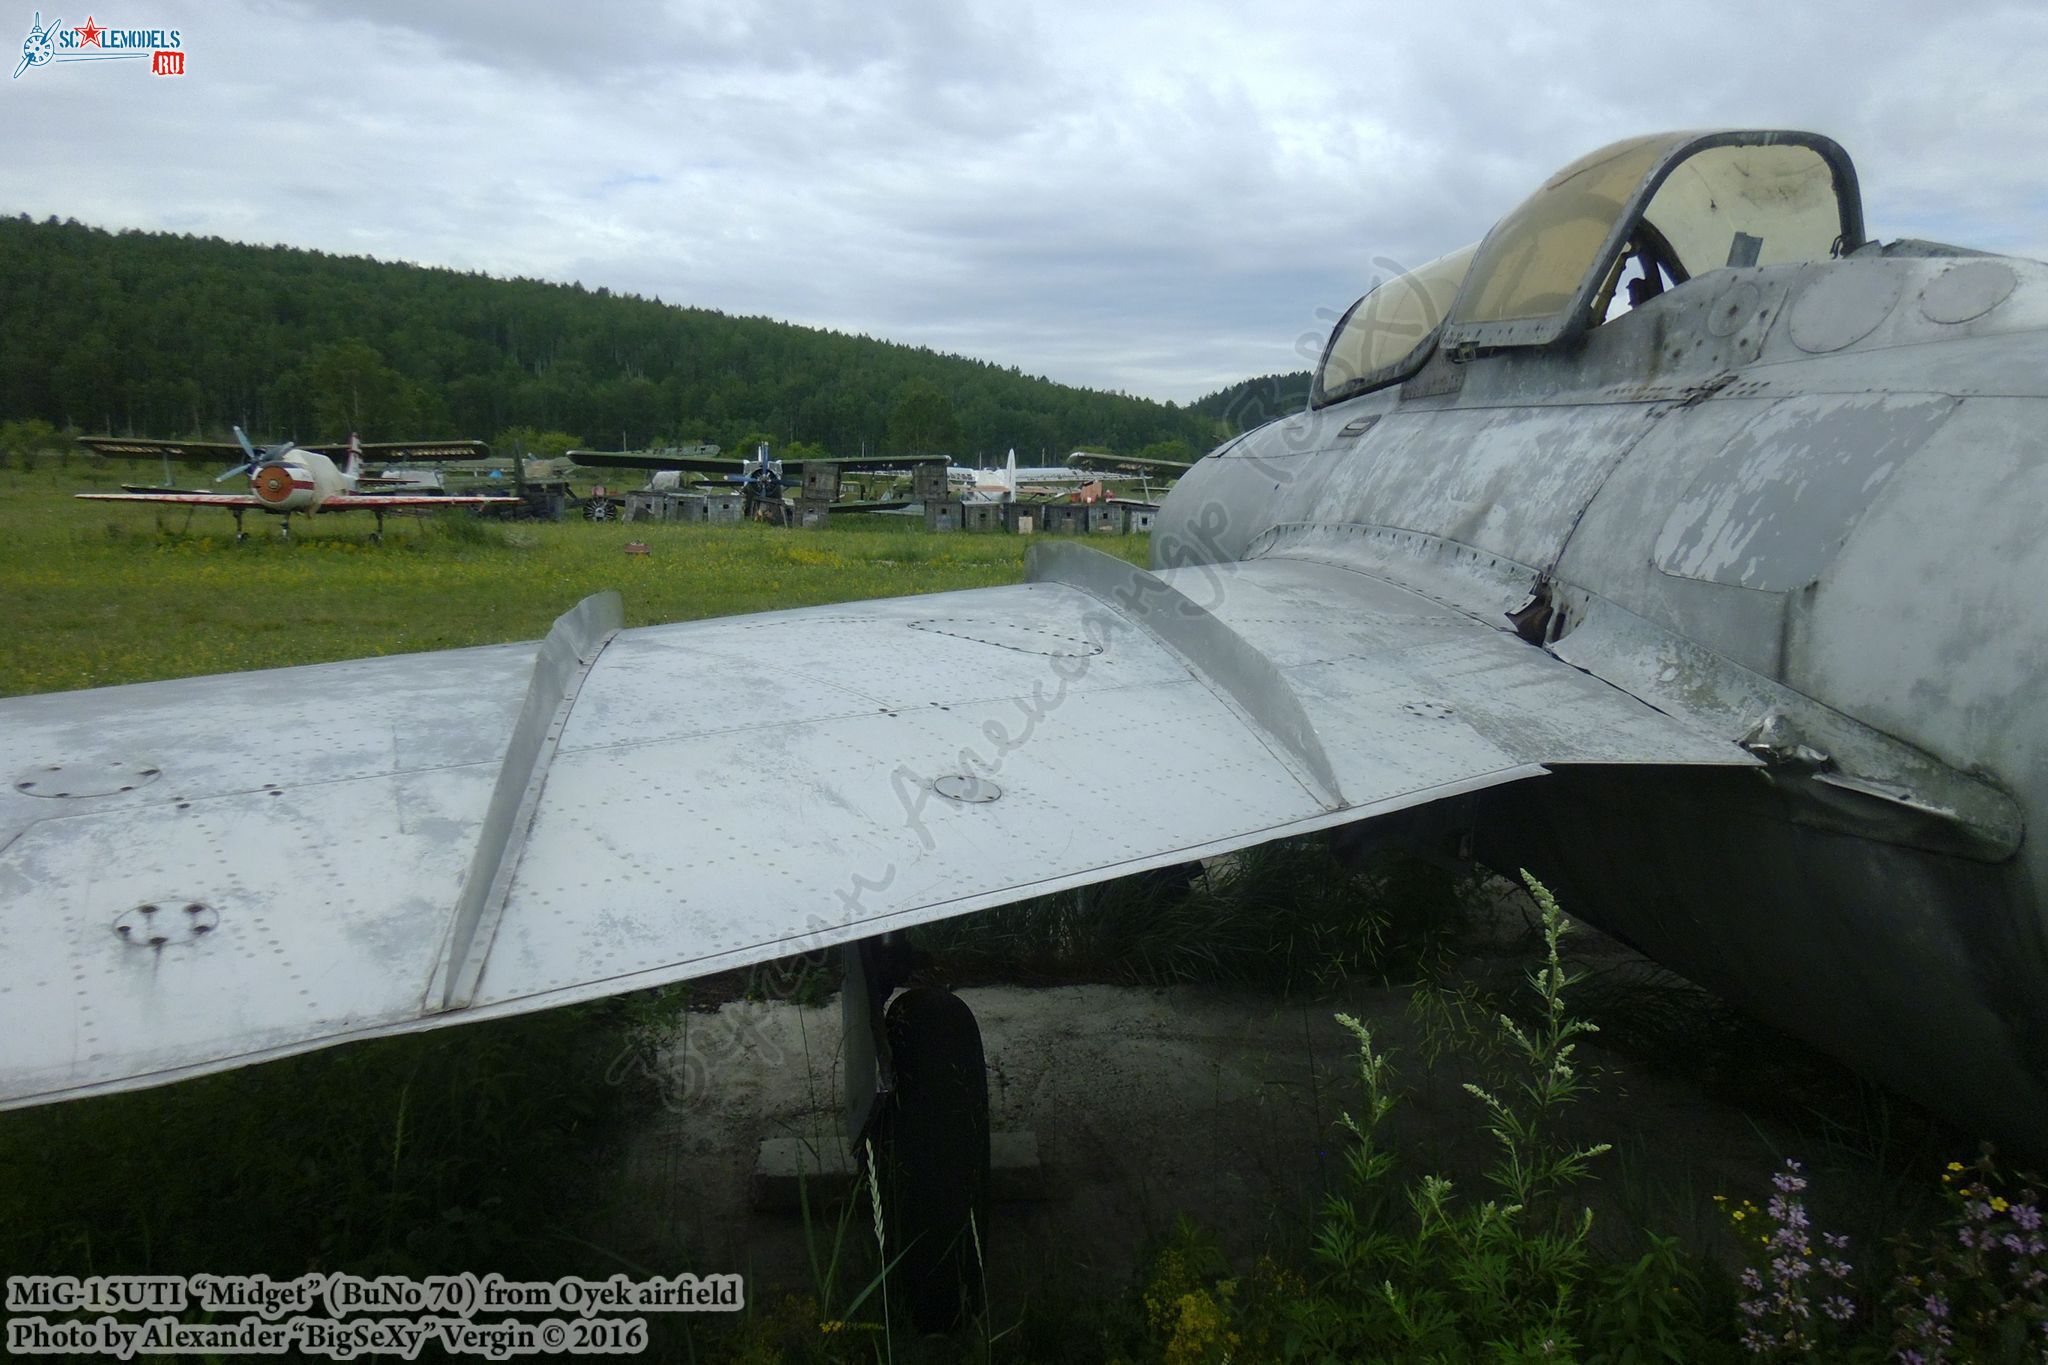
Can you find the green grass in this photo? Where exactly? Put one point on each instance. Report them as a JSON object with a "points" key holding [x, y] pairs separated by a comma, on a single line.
{"points": [[104, 593]]}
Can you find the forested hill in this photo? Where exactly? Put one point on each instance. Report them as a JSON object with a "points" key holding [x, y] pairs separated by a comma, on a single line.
{"points": [[1252, 402], [159, 335]]}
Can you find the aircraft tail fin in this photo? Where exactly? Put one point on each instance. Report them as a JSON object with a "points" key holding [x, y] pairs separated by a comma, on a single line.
{"points": [[354, 467]]}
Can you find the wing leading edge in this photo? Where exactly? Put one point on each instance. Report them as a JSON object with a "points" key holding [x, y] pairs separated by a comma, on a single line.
{"points": [[613, 809]]}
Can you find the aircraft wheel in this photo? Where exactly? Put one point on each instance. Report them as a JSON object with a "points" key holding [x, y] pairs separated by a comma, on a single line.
{"points": [[931, 1158]]}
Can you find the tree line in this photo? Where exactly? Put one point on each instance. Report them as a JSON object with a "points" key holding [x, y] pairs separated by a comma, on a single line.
{"points": [[154, 334]]}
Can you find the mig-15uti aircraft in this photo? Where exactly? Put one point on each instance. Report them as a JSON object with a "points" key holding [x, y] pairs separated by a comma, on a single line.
{"points": [[1677, 541], [288, 478]]}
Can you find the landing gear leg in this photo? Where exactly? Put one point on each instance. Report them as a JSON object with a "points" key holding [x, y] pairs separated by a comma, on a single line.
{"points": [[923, 1075], [240, 534], [377, 536], [931, 1157]]}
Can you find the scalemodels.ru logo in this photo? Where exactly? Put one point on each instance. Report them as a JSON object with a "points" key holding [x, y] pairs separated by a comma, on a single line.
{"points": [[91, 41]]}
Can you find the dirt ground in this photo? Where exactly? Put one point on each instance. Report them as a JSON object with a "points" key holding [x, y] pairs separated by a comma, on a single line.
{"points": [[1152, 1103]]}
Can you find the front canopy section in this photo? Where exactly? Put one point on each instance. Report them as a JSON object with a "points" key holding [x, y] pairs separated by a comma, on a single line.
{"points": [[1387, 335], [1663, 208]]}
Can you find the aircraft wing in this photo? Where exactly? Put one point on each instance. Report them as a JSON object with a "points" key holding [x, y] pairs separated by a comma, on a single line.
{"points": [[226, 453], [206, 872], [385, 502], [696, 464], [177, 496], [718, 464], [339, 502], [1127, 464], [220, 454], [410, 452]]}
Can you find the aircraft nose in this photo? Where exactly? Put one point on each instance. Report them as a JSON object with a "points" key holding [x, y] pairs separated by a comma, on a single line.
{"points": [[273, 483]]}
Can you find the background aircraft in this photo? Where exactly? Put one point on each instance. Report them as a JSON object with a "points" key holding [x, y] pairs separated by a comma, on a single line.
{"points": [[288, 478], [738, 472], [1006, 483], [1720, 613], [1001, 484], [732, 469]]}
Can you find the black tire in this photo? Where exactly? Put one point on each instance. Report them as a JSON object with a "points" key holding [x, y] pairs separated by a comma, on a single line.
{"points": [[931, 1158]]}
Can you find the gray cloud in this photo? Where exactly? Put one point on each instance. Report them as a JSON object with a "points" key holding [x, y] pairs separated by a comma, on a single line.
{"points": [[1157, 199]]}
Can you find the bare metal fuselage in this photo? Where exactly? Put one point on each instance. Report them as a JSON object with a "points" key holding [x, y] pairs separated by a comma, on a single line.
{"points": [[1799, 503]]}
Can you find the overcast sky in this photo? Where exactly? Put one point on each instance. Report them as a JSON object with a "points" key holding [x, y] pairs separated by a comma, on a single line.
{"points": [[1156, 199]]}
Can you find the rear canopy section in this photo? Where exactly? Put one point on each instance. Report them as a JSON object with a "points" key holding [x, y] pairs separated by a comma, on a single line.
{"points": [[1689, 202]]}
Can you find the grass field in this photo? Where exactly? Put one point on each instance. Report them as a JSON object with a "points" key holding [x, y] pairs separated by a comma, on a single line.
{"points": [[103, 593]]}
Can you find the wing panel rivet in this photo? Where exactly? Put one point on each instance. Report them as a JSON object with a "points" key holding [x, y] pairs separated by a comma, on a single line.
{"points": [[967, 789]]}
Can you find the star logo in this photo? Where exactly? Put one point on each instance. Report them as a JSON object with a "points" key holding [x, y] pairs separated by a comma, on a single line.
{"points": [[89, 36]]}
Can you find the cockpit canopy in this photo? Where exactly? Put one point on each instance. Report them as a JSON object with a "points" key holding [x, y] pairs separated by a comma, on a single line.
{"points": [[1658, 210], [1389, 333]]}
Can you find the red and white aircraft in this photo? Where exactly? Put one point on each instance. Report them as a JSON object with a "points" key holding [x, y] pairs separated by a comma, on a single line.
{"points": [[287, 478]]}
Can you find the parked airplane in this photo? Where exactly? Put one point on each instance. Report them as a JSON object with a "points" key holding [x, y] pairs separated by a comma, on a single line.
{"points": [[991, 485], [985, 485], [735, 469], [1004, 484], [288, 478], [1721, 613], [672, 464]]}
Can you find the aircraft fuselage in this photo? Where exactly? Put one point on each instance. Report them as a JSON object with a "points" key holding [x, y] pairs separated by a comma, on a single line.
{"points": [[1801, 503], [298, 482]]}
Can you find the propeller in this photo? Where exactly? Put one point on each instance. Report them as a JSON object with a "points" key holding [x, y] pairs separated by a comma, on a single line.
{"points": [[256, 459]]}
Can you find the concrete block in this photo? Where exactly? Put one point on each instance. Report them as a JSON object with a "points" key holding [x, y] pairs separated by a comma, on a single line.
{"points": [[787, 1170]]}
